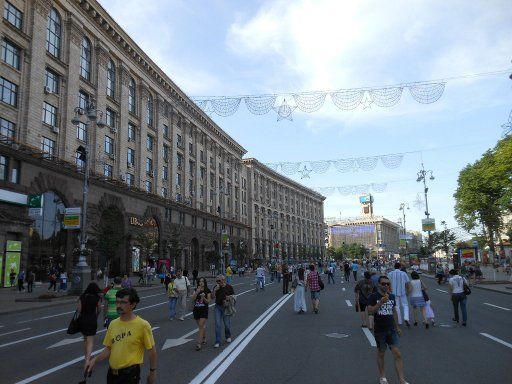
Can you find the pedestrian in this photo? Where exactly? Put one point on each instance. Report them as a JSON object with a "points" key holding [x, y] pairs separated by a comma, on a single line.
{"points": [[109, 307], [314, 287], [330, 274], [125, 341], [201, 298], [99, 274], [181, 286], [31, 277], [53, 281], [141, 277], [386, 329], [89, 307], [172, 294], [21, 280], [299, 299], [355, 268], [260, 278], [363, 289], [221, 293], [212, 269], [195, 274], [126, 283], [346, 270], [286, 279], [456, 289], [429, 309], [417, 299], [400, 287], [439, 274], [167, 280], [278, 274], [63, 286]]}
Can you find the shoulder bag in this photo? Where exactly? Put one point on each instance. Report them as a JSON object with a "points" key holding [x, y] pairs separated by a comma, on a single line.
{"points": [[74, 326], [320, 282]]}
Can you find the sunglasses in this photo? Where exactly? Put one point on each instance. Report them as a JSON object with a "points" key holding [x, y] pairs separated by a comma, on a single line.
{"points": [[385, 284]]}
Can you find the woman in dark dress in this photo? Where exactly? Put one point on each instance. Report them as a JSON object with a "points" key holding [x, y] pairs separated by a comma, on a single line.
{"points": [[89, 306], [201, 298]]}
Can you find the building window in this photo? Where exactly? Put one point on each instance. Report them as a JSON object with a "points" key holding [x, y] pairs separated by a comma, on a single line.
{"points": [[79, 159], [201, 156], [165, 172], [4, 164], [7, 129], [10, 54], [49, 114], [109, 145], [179, 161], [182, 218], [52, 81], [53, 33], [107, 170], [178, 180], [178, 197], [148, 186], [201, 191], [83, 100], [131, 132], [149, 143], [190, 149], [191, 187], [191, 168], [166, 130], [165, 153], [130, 159], [15, 171], [179, 141], [85, 59], [48, 146], [13, 15], [132, 96], [9, 92], [111, 79], [130, 179], [164, 192], [110, 118], [202, 172], [149, 166], [150, 111], [81, 131]]}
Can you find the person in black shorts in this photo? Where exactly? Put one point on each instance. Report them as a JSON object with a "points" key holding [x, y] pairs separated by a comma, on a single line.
{"points": [[201, 298], [386, 330], [89, 306]]}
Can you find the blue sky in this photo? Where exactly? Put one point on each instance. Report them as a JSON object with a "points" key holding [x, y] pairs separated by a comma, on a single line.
{"points": [[227, 48]]}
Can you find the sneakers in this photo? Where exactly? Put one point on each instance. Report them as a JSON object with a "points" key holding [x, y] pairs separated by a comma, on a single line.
{"points": [[228, 340], [171, 318], [216, 345], [383, 380], [181, 319], [407, 323], [463, 324]]}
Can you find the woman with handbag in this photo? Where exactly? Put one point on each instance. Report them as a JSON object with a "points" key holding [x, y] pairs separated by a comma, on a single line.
{"points": [[201, 298], [458, 288], [89, 306], [299, 300]]}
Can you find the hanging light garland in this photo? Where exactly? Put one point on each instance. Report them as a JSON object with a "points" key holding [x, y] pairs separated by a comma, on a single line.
{"points": [[348, 190], [390, 161], [507, 127]]}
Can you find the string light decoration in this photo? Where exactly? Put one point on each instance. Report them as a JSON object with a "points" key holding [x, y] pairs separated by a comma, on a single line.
{"points": [[390, 161], [507, 127], [418, 202], [309, 102], [348, 190]]}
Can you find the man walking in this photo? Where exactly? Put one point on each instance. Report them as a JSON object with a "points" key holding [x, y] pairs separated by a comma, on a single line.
{"points": [[260, 278], [400, 288], [355, 268], [181, 285], [109, 308], [346, 270], [125, 341], [330, 274], [222, 293], [383, 305], [456, 289], [313, 284], [286, 279], [31, 277]]}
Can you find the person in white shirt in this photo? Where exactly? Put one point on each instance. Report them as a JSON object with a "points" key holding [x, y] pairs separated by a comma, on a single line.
{"points": [[181, 285], [456, 289], [400, 287], [260, 277]]}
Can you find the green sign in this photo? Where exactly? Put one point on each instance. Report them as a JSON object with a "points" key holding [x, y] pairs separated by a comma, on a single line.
{"points": [[13, 246], [35, 201], [12, 264]]}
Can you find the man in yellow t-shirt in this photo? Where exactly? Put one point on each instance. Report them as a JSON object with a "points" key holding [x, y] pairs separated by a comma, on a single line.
{"points": [[125, 341]]}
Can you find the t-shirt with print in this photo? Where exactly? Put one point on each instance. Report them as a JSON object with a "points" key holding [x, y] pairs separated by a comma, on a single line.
{"points": [[110, 298], [127, 341], [199, 303], [383, 318]]}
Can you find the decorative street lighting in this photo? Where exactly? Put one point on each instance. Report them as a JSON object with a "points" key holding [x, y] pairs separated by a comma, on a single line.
{"points": [[81, 271], [219, 210], [403, 207], [273, 219], [422, 176]]}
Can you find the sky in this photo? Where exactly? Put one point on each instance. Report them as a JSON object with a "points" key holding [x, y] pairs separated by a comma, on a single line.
{"points": [[231, 48]]}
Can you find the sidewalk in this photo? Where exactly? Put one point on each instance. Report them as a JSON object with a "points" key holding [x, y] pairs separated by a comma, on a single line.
{"points": [[502, 286]]}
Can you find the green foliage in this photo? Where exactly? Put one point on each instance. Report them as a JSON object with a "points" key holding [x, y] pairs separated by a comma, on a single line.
{"points": [[443, 240], [108, 234], [176, 247]]}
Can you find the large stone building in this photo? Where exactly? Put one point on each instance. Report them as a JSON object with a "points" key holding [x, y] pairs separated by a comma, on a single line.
{"points": [[161, 169], [287, 219]]}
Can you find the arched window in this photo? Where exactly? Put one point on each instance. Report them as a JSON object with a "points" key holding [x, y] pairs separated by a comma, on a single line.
{"points": [[53, 33], [85, 59], [150, 111], [111, 79], [131, 96]]}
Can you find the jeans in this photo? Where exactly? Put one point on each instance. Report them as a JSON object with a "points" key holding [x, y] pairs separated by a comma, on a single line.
{"points": [[172, 306], [459, 298], [262, 280], [330, 276], [182, 303], [220, 316], [355, 275], [229, 279]]}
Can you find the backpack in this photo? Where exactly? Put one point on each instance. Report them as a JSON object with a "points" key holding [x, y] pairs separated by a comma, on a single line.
{"points": [[366, 288]]}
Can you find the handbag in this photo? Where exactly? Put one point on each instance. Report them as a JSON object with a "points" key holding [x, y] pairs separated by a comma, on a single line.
{"points": [[74, 326], [320, 283], [467, 290]]}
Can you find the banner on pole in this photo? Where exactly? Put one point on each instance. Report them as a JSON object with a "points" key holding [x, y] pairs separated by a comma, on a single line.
{"points": [[12, 264], [428, 225], [72, 218]]}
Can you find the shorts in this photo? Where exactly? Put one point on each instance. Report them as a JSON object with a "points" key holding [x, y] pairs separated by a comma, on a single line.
{"points": [[417, 302], [389, 338], [362, 305], [315, 295]]}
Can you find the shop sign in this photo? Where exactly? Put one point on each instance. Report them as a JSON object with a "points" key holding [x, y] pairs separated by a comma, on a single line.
{"points": [[150, 222], [13, 197], [72, 218]]}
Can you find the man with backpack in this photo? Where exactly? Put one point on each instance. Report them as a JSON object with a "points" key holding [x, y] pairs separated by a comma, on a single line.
{"points": [[364, 288]]}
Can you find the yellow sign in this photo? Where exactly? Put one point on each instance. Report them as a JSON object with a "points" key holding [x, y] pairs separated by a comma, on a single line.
{"points": [[71, 221]]}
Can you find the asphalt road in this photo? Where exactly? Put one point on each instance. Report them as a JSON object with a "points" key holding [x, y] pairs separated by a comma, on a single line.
{"points": [[272, 344]]}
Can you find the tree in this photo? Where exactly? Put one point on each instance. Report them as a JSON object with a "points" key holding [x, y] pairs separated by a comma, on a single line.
{"points": [[443, 240], [108, 235], [147, 241], [175, 245]]}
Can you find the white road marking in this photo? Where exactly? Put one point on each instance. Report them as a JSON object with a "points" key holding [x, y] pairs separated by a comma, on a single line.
{"points": [[19, 330], [46, 317], [157, 294], [222, 362], [497, 306], [32, 338], [441, 290], [497, 340], [59, 367], [370, 337], [348, 303]]}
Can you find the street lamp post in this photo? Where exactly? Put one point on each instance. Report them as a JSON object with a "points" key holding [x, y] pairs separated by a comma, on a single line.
{"points": [[422, 176], [273, 219], [403, 207], [81, 271], [219, 210]]}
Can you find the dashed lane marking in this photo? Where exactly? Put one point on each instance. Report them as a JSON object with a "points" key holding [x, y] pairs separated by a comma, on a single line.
{"points": [[441, 290], [497, 340], [348, 303], [19, 330], [497, 306], [370, 337]]}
